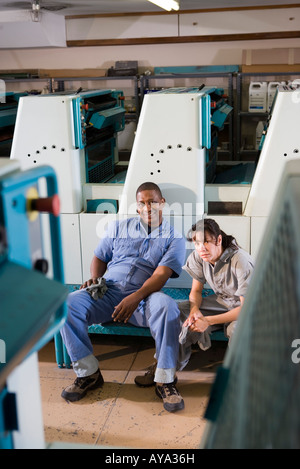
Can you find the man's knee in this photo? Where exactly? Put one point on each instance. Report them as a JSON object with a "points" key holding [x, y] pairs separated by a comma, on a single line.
{"points": [[164, 304], [78, 304], [71, 300]]}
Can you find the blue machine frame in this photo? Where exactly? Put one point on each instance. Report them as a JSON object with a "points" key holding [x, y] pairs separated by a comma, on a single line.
{"points": [[32, 305]]}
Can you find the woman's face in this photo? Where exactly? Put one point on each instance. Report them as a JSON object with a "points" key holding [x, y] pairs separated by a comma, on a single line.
{"points": [[208, 248]]}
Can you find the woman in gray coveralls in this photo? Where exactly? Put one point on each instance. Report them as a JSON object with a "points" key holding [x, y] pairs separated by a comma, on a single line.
{"points": [[227, 268]]}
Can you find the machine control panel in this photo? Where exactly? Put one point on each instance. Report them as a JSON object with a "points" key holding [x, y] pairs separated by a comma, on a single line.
{"points": [[97, 110]]}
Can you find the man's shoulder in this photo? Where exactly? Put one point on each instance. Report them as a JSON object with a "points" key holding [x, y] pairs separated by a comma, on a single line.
{"points": [[119, 226], [170, 230]]}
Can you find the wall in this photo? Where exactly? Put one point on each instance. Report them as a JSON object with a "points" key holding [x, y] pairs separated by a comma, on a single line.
{"points": [[180, 25], [213, 52], [155, 55]]}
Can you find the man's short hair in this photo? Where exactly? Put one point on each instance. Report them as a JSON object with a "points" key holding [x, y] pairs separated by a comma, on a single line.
{"points": [[149, 186]]}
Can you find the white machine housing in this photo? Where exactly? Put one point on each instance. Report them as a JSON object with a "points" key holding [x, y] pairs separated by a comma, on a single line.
{"points": [[170, 150]]}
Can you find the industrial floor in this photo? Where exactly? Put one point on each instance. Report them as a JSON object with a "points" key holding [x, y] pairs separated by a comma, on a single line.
{"points": [[121, 414]]}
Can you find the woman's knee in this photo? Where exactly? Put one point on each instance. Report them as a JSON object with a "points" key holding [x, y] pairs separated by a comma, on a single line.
{"points": [[230, 330], [184, 308]]}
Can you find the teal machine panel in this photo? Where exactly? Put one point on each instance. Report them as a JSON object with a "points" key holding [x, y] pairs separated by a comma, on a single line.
{"points": [[98, 116], [8, 113], [32, 305]]}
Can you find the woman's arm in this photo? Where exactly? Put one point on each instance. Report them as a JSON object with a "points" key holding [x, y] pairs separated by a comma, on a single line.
{"points": [[229, 316], [203, 323], [195, 299]]}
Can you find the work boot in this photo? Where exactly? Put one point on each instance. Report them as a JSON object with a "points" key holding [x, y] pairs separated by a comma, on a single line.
{"points": [[81, 386], [172, 400], [147, 380]]}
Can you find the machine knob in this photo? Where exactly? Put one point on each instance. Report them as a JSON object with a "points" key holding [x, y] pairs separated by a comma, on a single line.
{"points": [[41, 265], [47, 204]]}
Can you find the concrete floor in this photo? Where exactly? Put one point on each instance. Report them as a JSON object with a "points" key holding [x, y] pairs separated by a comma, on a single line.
{"points": [[121, 414]]}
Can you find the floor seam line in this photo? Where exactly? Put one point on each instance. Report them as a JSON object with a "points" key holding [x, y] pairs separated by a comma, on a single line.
{"points": [[115, 399]]}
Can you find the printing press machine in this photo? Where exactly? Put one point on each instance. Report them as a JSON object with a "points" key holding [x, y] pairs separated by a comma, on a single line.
{"points": [[8, 113], [76, 133], [173, 147], [32, 305]]}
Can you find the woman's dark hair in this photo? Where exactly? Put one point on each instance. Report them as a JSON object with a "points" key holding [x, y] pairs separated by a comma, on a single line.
{"points": [[210, 226]]}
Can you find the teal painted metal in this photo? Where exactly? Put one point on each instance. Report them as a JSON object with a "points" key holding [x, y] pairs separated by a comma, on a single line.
{"points": [[6, 440], [8, 117], [31, 312], [220, 115], [13, 191], [8, 108], [79, 140], [113, 328], [100, 205], [178, 294], [32, 306], [114, 116], [197, 69], [206, 122], [87, 111], [16, 265], [241, 173]]}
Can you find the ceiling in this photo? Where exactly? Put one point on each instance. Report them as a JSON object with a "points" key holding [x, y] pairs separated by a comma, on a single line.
{"points": [[77, 7]]}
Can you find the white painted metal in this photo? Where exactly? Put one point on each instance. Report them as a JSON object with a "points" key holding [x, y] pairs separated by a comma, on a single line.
{"points": [[44, 134], [24, 381], [168, 151], [282, 143]]}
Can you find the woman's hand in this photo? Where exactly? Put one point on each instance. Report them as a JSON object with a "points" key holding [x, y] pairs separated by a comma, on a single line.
{"points": [[200, 325], [192, 318]]}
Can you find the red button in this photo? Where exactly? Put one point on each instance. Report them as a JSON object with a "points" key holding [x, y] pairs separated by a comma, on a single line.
{"points": [[47, 204]]}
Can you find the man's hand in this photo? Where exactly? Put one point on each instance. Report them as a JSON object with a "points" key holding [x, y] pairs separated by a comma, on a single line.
{"points": [[89, 282], [125, 309]]}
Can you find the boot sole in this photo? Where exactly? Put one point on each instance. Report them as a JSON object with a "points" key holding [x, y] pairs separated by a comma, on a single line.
{"points": [[171, 407]]}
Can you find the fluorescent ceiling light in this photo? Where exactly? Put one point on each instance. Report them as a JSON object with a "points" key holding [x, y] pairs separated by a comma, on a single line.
{"points": [[166, 4]]}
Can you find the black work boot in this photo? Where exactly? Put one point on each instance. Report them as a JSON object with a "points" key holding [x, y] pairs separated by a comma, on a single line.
{"points": [[172, 400], [81, 386]]}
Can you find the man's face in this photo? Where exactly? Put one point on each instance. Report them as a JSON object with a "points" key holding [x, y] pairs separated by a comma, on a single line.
{"points": [[149, 207]]}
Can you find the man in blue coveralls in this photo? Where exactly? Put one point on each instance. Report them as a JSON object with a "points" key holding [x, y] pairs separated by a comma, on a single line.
{"points": [[136, 257]]}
